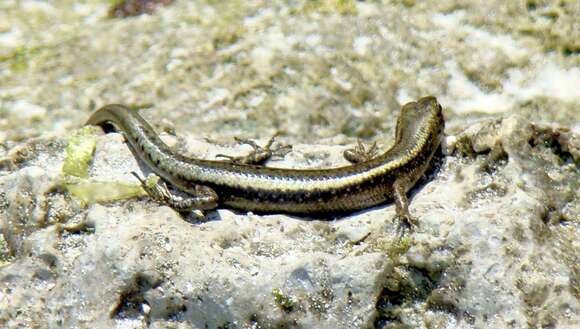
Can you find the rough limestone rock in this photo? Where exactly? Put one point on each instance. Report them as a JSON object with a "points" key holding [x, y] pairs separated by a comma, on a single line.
{"points": [[497, 244]]}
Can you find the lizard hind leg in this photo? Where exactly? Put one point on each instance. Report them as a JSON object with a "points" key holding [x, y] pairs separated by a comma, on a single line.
{"points": [[201, 198]]}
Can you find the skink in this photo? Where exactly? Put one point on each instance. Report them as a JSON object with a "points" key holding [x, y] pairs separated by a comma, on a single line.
{"points": [[207, 183]]}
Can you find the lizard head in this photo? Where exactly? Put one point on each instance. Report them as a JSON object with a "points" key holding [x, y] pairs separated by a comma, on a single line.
{"points": [[421, 118]]}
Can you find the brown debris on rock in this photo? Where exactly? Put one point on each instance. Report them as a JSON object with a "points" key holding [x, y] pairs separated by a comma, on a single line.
{"points": [[128, 8]]}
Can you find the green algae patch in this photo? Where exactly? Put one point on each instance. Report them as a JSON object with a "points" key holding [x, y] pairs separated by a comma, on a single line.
{"points": [[79, 153], [90, 192]]}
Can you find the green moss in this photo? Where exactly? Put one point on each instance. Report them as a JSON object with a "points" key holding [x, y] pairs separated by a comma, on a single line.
{"points": [[285, 302]]}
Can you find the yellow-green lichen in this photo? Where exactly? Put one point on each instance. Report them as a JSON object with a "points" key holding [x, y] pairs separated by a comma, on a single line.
{"points": [[91, 192], [79, 153]]}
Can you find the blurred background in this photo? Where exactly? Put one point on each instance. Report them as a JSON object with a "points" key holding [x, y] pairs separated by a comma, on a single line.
{"points": [[310, 69]]}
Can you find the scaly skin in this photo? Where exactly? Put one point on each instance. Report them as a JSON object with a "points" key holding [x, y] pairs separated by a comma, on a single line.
{"points": [[364, 184]]}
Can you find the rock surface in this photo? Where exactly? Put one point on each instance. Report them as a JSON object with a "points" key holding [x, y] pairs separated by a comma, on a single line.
{"points": [[498, 240], [497, 246]]}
